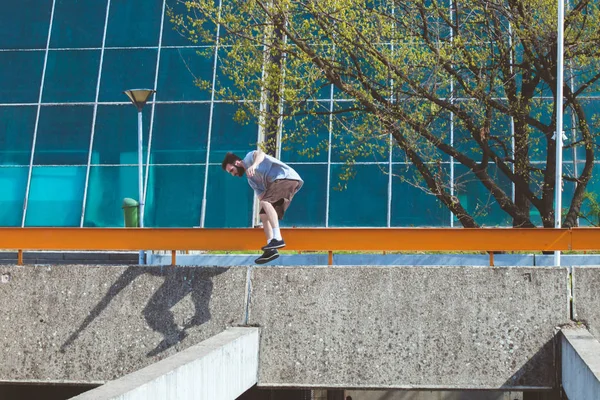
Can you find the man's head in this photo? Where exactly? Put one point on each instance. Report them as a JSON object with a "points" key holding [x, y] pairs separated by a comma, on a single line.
{"points": [[233, 165]]}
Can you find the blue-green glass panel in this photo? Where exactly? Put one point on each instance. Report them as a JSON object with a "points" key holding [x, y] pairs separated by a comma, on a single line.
{"points": [[107, 187], [309, 205], [306, 137], [357, 136], [20, 76], [13, 183], [229, 135], [55, 196], [364, 201], [16, 133], [248, 85], [134, 23], [179, 69], [174, 196], [538, 144], [591, 216], [412, 205], [229, 200], [126, 69], [439, 127], [500, 137], [78, 23], [573, 143], [71, 76], [180, 133], [116, 134], [24, 24], [63, 136], [477, 200], [173, 36]]}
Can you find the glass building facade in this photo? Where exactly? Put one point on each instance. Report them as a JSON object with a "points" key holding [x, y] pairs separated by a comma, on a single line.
{"points": [[68, 134]]}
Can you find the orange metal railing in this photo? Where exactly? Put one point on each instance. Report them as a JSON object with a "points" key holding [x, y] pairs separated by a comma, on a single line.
{"points": [[302, 239]]}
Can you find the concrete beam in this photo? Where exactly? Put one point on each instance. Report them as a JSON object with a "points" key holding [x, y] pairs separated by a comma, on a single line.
{"points": [[220, 368], [580, 353], [409, 327]]}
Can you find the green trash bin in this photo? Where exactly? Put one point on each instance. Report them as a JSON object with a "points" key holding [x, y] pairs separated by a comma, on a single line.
{"points": [[131, 212]]}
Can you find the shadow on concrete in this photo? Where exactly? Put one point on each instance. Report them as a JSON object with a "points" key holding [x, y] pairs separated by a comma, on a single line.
{"points": [[178, 283], [541, 370]]}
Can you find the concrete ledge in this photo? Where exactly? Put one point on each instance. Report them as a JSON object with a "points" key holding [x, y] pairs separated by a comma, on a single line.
{"points": [[220, 368], [580, 364], [586, 302], [427, 328]]}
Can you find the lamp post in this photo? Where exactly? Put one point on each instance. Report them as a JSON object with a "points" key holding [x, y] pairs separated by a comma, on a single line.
{"points": [[558, 135], [139, 97]]}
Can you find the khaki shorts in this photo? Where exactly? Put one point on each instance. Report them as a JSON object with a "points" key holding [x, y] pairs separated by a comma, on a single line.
{"points": [[280, 194]]}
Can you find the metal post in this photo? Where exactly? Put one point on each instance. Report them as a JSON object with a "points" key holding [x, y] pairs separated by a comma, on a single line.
{"points": [[140, 182], [559, 123]]}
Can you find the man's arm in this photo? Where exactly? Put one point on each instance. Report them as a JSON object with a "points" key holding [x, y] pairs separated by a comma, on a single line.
{"points": [[259, 156]]}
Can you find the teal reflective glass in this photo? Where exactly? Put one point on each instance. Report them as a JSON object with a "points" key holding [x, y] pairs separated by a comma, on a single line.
{"points": [[134, 23], [440, 128], [126, 69], [412, 205], [71, 76], [357, 136], [63, 136], [538, 144], [20, 76], [180, 133], [574, 145], [16, 134], [306, 138], [116, 134], [499, 137], [55, 196], [107, 187], [13, 183], [228, 135], [174, 196], [589, 207], [78, 23], [24, 24], [179, 69], [229, 200], [364, 202], [173, 36], [309, 205], [477, 200]]}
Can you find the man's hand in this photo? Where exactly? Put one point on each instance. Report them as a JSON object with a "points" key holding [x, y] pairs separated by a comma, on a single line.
{"points": [[251, 170]]}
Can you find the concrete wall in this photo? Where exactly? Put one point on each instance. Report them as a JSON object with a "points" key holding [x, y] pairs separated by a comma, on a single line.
{"points": [[586, 298], [350, 327], [580, 364]]}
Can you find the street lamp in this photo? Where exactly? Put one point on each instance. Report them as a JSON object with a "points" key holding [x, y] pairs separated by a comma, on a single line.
{"points": [[139, 97]]}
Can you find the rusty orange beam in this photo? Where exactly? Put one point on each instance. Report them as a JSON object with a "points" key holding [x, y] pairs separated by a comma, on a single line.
{"points": [[302, 239]]}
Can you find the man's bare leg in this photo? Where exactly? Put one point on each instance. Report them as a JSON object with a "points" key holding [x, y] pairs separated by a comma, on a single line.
{"points": [[271, 217], [267, 227]]}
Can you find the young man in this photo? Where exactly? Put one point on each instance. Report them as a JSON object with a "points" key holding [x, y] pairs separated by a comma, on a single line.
{"points": [[275, 184]]}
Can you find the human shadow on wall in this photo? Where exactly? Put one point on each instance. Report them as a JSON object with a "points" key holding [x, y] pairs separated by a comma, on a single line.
{"points": [[541, 370], [178, 283]]}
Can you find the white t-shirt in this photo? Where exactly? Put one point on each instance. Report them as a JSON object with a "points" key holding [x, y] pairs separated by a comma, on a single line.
{"points": [[268, 171]]}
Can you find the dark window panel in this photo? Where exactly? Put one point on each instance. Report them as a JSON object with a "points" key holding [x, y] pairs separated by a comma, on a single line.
{"points": [[229, 200], [179, 68], [55, 196], [308, 207], [107, 187], [172, 36], [305, 138], [134, 23], [174, 196], [78, 23], [13, 183], [228, 135], [126, 69], [20, 76], [16, 134], [63, 136], [364, 202], [115, 137], [24, 24], [71, 76], [180, 133], [413, 206]]}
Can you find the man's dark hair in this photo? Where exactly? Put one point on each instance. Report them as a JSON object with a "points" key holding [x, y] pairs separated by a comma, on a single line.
{"points": [[230, 158]]}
